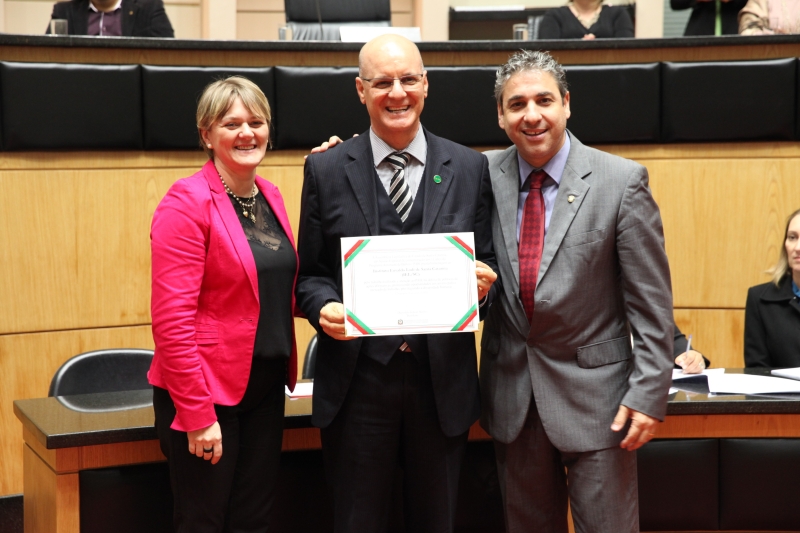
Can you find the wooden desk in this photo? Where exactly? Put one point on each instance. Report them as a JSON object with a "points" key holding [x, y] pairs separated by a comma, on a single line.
{"points": [[133, 50], [63, 436]]}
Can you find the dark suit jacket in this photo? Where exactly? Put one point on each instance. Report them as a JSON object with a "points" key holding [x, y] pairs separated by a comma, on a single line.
{"points": [[704, 14], [772, 326], [140, 18], [680, 346], [339, 200], [560, 23]]}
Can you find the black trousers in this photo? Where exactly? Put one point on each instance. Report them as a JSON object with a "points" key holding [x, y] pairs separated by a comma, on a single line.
{"points": [[389, 418], [235, 495]]}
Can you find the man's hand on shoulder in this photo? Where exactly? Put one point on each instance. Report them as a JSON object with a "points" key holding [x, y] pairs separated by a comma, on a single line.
{"points": [[333, 141], [643, 428], [331, 320]]}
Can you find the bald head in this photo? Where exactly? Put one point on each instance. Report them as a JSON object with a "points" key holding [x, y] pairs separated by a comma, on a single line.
{"points": [[387, 48], [393, 85]]}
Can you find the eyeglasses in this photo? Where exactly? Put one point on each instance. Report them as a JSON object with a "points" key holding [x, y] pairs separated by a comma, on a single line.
{"points": [[385, 84]]}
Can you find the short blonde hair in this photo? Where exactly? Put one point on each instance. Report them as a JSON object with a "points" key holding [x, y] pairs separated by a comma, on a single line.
{"points": [[781, 268], [219, 96]]}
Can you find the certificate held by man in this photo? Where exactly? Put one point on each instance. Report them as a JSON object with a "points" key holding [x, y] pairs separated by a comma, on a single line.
{"points": [[409, 284]]}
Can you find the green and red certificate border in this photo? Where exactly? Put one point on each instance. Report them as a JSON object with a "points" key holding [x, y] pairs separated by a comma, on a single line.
{"points": [[463, 324]]}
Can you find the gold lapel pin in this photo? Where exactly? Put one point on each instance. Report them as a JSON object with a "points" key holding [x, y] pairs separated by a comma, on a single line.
{"points": [[571, 198]]}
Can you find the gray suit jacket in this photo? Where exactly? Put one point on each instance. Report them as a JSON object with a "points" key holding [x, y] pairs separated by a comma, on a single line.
{"points": [[603, 278]]}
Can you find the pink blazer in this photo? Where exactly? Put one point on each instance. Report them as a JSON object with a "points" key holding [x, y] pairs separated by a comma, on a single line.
{"points": [[205, 297]]}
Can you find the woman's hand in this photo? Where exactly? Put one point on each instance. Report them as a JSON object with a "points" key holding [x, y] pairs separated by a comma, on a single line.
{"points": [[206, 443], [691, 362]]}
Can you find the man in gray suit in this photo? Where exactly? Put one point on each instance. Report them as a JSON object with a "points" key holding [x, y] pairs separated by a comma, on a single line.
{"points": [[577, 349]]}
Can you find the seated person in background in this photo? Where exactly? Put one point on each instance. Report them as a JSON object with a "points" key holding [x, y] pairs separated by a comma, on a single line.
{"points": [[772, 313], [766, 17], [126, 18], [692, 362], [586, 19], [710, 17]]}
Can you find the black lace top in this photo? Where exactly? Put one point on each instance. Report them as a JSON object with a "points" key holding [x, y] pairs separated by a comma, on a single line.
{"points": [[276, 264]]}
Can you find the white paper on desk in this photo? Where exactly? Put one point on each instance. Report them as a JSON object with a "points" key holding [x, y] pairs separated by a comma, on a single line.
{"points": [[748, 384], [301, 390], [409, 284], [678, 375], [791, 373]]}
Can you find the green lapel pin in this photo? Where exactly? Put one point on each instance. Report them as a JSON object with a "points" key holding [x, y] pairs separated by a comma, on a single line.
{"points": [[437, 178]]}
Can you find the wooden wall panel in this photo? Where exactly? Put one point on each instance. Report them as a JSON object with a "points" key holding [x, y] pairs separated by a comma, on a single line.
{"points": [[75, 266], [80, 256], [716, 333], [723, 221], [76, 246], [28, 362]]}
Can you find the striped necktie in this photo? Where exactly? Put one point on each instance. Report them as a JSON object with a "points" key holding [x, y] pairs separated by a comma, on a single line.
{"points": [[399, 191]]}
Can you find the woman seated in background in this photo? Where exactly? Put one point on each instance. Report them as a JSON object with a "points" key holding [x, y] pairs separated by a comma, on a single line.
{"points": [[772, 314], [224, 267], [710, 17], [691, 361], [766, 17], [586, 19]]}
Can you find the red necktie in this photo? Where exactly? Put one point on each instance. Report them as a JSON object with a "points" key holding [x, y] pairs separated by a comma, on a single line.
{"points": [[531, 240]]}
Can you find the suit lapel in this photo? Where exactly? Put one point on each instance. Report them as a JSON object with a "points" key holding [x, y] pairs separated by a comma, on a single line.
{"points": [[435, 193], [232, 224], [128, 15], [361, 175], [506, 196], [564, 211], [80, 18]]}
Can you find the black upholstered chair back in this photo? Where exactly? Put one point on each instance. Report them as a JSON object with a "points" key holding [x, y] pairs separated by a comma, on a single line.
{"points": [[310, 359], [103, 371], [58, 106], [304, 16], [170, 96], [337, 10]]}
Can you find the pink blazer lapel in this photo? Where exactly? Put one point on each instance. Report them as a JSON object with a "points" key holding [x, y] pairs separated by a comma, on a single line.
{"points": [[232, 224]]}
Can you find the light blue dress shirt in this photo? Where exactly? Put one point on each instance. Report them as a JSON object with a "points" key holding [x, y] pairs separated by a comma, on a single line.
{"points": [[554, 169]]}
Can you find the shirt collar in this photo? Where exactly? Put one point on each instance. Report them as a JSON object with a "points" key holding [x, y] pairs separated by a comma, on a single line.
{"points": [[116, 6], [554, 167], [795, 289], [418, 148]]}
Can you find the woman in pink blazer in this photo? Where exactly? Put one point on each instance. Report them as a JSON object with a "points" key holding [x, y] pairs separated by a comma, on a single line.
{"points": [[224, 267]]}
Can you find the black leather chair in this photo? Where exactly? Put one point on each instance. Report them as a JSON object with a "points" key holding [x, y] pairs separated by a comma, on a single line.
{"points": [[615, 103], [729, 101], [461, 106], [304, 16], [103, 371], [679, 485], [170, 96], [299, 123], [758, 484], [59, 106], [310, 359]]}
